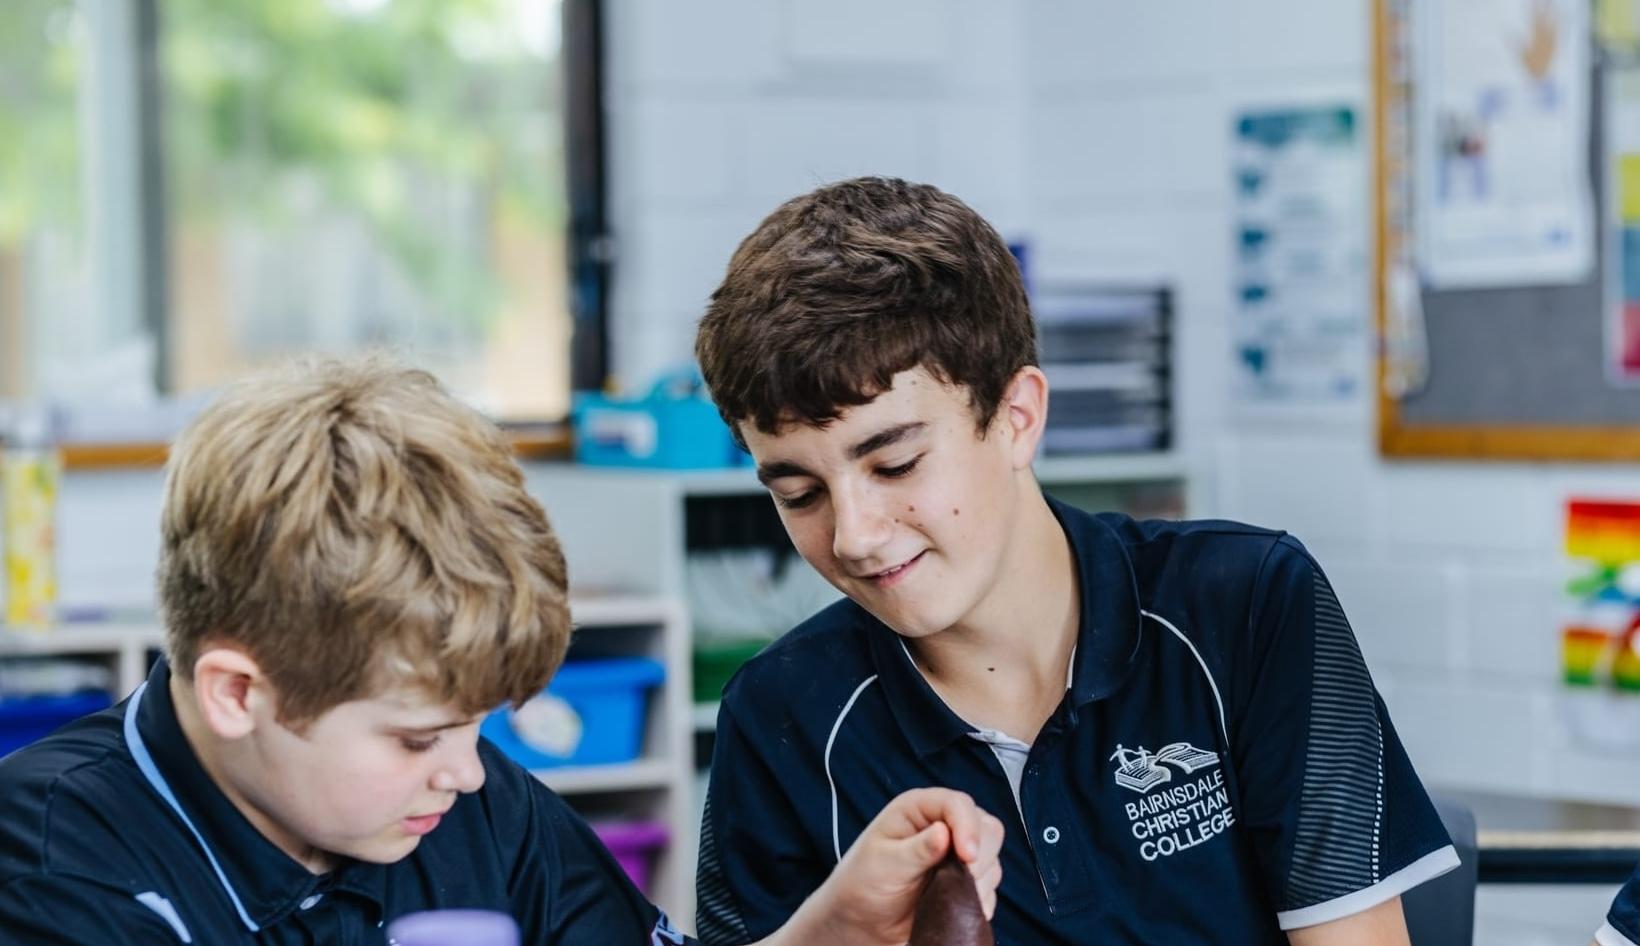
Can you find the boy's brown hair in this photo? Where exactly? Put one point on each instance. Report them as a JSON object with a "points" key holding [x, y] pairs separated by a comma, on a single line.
{"points": [[351, 527], [842, 288]]}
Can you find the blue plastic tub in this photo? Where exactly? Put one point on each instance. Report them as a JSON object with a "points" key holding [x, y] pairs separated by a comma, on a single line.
{"points": [[675, 426], [23, 719], [592, 713]]}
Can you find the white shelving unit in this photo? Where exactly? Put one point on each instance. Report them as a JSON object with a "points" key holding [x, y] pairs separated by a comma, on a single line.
{"points": [[123, 647], [658, 785]]}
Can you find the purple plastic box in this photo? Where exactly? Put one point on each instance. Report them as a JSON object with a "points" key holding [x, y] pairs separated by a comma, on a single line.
{"points": [[634, 844]]}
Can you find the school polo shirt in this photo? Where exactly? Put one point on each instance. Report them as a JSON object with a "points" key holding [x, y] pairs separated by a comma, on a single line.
{"points": [[111, 833], [1221, 768], [1622, 927]]}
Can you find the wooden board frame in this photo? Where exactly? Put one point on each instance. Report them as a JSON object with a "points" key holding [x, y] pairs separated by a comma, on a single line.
{"points": [[1397, 438], [549, 443]]}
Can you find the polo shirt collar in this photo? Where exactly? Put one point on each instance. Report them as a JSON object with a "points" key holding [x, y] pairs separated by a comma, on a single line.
{"points": [[264, 883], [1107, 642], [928, 724]]}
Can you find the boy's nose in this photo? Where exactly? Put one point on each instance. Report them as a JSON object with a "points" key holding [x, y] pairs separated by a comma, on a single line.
{"points": [[860, 528], [464, 773]]}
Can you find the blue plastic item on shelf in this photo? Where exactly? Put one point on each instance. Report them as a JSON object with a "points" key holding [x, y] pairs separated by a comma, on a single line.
{"points": [[592, 713], [23, 719], [675, 426]]}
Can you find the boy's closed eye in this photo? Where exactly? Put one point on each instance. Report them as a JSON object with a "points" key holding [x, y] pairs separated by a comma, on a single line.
{"points": [[903, 469], [414, 744], [424, 738], [807, 498], [797, 502]]}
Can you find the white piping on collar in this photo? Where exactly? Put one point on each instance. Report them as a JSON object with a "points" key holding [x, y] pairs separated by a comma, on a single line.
{"points": [[150, 771], [836, 843]]}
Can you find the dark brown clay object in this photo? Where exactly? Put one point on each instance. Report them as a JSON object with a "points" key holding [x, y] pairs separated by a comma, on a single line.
{"points": [[949, 911]]}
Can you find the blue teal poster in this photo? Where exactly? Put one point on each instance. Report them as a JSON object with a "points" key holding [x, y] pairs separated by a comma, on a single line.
{"points": [[1300, 315]]}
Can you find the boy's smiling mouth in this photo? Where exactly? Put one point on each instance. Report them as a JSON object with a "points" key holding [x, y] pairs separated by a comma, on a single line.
{"points": [[889, 577]]}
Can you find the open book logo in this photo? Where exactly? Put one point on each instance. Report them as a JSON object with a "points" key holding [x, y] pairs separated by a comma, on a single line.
{"points": [[1142, 770]]}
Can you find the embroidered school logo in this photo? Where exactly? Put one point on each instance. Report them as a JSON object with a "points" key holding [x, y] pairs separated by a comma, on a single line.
{"points": [[1168, 820], [1142, 770]]}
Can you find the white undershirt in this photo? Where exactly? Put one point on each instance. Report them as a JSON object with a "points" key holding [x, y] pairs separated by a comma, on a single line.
{"points": [[1011, 753]]}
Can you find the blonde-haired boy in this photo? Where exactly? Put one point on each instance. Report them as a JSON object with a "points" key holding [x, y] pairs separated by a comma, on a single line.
{"points": [[352, 574]]}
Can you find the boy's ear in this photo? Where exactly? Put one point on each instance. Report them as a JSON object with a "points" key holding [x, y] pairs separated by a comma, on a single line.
{"points": [[229, 688], [1024, 413]]}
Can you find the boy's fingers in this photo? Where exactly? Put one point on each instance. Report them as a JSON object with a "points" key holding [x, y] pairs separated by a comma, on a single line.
{"points": [[966, 821], [989, 881], [991, 833], [915, 810], [937, 819], [930, 844], [988, 884]]}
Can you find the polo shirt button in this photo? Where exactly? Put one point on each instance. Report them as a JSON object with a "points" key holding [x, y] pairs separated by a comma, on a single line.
{"points": [[1051, 835], [309, 903]]}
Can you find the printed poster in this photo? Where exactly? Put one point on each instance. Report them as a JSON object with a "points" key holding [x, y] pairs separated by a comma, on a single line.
{"points": [[1501, 138], [1300, 261], [1623, 170], [1600, 636], [1617, 23]]}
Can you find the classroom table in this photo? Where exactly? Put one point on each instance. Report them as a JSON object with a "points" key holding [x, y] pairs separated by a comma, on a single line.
{"points": [[1524, 840]]}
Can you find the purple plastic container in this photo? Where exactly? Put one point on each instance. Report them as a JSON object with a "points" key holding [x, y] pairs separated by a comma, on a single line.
{"points": [[453, 928], [634, 844]]}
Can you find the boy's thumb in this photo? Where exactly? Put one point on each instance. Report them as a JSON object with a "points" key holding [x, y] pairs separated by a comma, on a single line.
{"points": [[930, 845]]}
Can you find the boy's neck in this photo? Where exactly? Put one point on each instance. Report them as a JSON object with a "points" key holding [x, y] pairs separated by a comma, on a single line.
{"points": [[1005, 666], [213, 755]]}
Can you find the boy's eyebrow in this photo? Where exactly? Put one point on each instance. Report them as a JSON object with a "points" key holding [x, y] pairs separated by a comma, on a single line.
{"points": [[778, 469], [884, 438], [438, 727]]}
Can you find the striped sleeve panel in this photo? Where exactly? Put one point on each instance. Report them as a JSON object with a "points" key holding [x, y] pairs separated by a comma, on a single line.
{"points": [[1341, 807], [717, 916]]}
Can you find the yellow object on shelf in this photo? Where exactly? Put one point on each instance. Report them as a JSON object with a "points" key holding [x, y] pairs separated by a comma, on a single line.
{"points": [[29, 482]]}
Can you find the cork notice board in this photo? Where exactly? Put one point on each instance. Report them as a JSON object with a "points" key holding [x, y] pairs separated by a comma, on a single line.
{"points": [[1507, 373]]}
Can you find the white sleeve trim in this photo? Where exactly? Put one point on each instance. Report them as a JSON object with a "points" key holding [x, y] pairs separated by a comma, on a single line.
{"points": [[1428, 867], [1608, 935]]}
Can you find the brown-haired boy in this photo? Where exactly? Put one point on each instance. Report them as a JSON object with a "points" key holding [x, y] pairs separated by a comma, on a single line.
{"points": [[1174, 718], [351, 576]]}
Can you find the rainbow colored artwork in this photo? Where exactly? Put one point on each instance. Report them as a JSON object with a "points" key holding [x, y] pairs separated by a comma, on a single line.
{"points": [[1600, 646]]}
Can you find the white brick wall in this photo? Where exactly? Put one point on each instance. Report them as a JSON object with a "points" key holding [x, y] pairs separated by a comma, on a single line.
{"points": [[718, 111]]}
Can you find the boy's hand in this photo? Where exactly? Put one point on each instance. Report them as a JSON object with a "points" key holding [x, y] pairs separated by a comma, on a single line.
{"points": [[871, 896]]}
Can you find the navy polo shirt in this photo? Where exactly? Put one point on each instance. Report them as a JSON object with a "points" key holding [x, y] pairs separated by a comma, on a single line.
{"points": [[112, 833], [1221, 767], [1623, 922]]}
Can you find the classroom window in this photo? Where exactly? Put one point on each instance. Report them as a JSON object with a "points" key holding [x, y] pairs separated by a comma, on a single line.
{"points": [[44, 257], [321, 175]]}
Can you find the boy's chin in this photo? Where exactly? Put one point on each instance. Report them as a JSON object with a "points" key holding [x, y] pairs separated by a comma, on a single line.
{"points": [[918, 623], [384, 850]]}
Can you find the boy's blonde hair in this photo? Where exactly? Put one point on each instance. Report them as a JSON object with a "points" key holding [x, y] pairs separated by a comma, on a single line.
{"points": [[352, 527]]}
